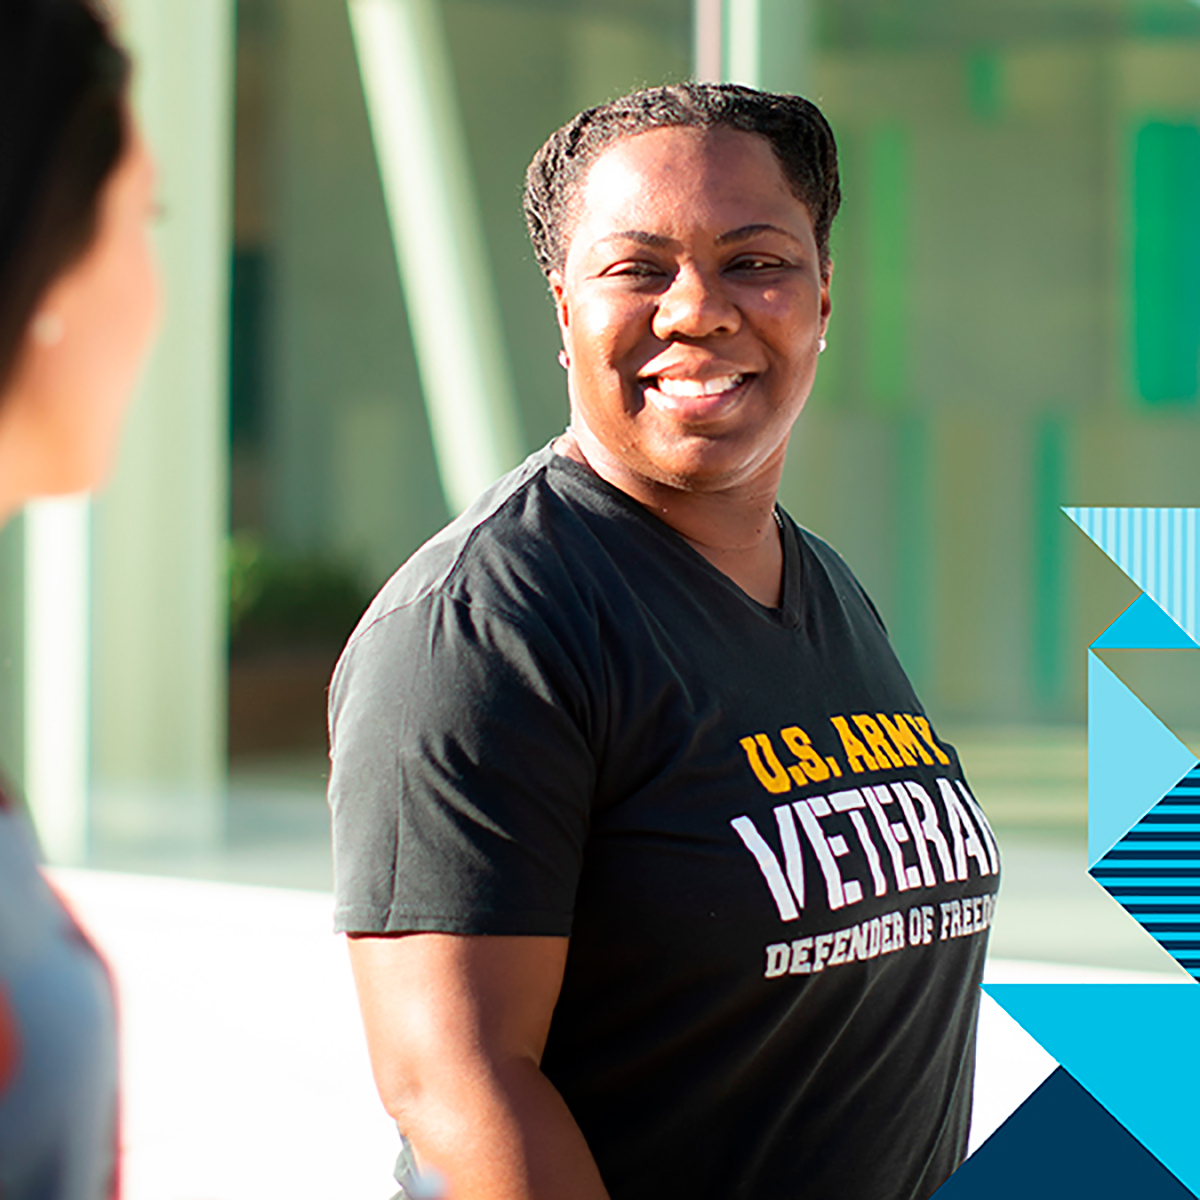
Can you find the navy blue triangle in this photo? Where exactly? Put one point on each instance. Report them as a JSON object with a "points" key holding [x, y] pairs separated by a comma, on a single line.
{"points": [[1062, 1143]]}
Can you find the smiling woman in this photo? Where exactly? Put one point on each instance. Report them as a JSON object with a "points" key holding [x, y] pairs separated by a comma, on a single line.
{"points": [[652, 863], [691, 334]]}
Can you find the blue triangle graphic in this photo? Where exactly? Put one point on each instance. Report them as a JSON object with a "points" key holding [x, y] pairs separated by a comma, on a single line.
{"points": [[1151, 873], [1144, 626], [1061, 1142], [1133, 1047], [1158, 548], [1133, 760]]}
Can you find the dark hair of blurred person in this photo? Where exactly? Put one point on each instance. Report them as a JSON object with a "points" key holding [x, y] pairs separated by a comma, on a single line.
{"points": [[78, 292], [78, 299]]}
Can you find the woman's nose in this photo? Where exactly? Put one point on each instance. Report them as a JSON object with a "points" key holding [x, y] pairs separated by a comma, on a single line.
{"points": [[695, 305]]}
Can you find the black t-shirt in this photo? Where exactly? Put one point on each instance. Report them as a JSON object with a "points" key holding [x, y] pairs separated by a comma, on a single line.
{"points": [[557, 718]]}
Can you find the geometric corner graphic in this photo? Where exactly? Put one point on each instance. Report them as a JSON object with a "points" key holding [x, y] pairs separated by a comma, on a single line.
{"points": [[1062, 1143], [1133, 1047], [1153, 872], [1144, 626], [1158, 548], [1134, 760]]}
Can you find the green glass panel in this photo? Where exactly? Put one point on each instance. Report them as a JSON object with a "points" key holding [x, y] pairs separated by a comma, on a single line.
{"points": [[913, 567], [1166, 307], [1049, 661], [887, 265], [985, 85]]}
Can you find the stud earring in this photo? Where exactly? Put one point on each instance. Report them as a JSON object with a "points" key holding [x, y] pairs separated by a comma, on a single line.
{"points": [[563, 360], [48, 329], [821, 343]]}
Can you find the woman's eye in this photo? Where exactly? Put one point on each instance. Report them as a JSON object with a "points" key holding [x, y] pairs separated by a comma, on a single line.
{"points": [[755, 263], [636, 269]]}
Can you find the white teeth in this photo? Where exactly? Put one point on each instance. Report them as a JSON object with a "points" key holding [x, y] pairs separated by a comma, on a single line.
{"points": [[697, 387]]}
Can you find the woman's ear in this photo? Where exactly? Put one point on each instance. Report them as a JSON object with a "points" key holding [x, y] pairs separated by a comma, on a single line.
{"points": [[563, 313], [826, 303], [558, 291]]}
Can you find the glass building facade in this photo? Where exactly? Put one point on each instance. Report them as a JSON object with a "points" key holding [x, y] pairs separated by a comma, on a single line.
{"points": [[1016, 327], [1017, 298]]}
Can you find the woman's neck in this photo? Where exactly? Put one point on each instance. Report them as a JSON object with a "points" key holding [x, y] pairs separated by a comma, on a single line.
{"points": [[735, 529]]}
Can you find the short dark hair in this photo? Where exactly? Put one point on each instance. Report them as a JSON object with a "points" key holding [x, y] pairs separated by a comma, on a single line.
{"points": [[63, 128], [798, 133]]}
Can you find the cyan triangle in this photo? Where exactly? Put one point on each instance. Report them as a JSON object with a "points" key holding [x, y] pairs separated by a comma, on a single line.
{"points": [[1144, 626], [1133, 760], [1062, 1143], [1133, 1047]]}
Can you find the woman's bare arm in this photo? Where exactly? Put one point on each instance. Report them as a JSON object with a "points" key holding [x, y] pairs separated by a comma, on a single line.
{"points": [[456, 1027]]}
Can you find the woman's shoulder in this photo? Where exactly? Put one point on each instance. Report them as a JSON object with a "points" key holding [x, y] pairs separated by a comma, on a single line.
{"points": [[842, 580], [510, 558], [815, 544], [490, 612]]}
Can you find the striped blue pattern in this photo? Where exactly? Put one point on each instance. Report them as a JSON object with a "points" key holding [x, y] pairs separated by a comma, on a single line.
{"points": [[1153, 872], [1158, 548]]}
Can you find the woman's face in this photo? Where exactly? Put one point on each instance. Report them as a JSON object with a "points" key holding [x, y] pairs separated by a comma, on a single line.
{"points": [[85, 345], [691, 303]]}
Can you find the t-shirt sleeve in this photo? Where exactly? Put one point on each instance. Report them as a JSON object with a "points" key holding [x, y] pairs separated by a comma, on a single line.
{"points": [[461, 776]]}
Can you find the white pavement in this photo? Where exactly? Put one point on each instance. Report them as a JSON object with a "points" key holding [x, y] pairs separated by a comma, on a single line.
{"points": [[244, 1066]]}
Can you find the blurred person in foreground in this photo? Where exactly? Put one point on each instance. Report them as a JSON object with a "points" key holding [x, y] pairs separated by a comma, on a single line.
{"points": [[659, 881], [78, 301]]}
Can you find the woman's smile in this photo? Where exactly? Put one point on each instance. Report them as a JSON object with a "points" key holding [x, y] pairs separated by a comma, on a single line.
{"points": [[695, 401]]}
